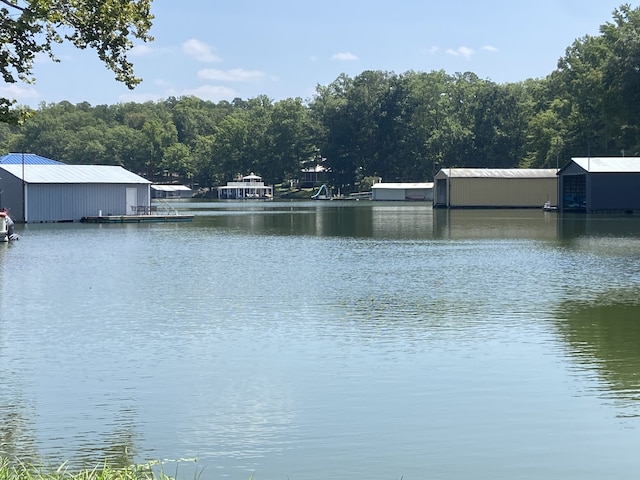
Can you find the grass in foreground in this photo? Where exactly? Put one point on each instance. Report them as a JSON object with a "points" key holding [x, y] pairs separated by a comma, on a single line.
{"points": [[20, 471]]}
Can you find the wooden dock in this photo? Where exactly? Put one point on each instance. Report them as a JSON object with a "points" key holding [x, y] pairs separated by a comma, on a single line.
{"points": [[154, 218]]}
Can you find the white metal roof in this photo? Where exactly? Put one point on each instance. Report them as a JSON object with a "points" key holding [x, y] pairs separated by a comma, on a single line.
{"points": [[314, 169], [73, 174], [400, 186], [500, 172], [171, 188], [251, 176], [608, 164]]}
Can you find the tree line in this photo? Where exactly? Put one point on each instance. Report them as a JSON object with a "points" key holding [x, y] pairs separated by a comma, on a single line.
{"points": [[401, 127]]}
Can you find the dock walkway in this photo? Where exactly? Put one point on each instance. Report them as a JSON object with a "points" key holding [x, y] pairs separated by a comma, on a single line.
{"points": [[142, 214], [138, 218]]}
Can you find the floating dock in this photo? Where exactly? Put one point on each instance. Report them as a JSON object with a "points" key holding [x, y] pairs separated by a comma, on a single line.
{"points": [[138, 218]]}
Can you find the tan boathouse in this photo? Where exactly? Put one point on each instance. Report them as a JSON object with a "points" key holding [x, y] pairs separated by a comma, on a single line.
{"points": [[495, 188]]}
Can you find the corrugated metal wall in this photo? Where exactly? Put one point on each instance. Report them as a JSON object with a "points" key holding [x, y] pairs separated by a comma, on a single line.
{"points": [[502, 192], [11, 195], [388, 194], [71, 202], [613, 192], [402, 194], [440, 191]]}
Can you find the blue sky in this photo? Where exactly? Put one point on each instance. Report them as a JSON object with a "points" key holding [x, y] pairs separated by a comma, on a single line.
{"points": [[220, 50]]}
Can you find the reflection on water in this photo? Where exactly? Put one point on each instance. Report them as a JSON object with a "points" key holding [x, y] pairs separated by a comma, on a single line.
{"points": [[602, 335], [502, 223], [576, 225], [326, 340]]}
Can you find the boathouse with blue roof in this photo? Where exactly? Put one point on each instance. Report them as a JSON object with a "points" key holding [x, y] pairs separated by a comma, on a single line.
{"points": [[56, 192]]}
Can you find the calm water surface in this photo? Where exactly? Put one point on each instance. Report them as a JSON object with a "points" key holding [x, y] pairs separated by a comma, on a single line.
{"points": [[316, 340]]}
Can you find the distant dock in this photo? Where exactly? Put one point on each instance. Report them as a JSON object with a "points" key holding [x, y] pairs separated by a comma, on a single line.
{"points": [[143, 214], [138, 218]]}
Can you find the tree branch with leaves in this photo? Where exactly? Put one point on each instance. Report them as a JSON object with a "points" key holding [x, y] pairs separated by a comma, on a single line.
{"points": [[32, 27]]}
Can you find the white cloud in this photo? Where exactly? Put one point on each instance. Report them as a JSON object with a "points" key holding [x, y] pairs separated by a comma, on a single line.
{"points": [[489, 48], [465, 52], [18, 92], [344, 57], [200, 51], [433, 50], [141, 50], [135, 97], [213, 93], [205, 92], [234, 75]]}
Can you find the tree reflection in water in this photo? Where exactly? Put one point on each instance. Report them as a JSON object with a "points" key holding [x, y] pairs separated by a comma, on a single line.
{"points": [[603, 336]]}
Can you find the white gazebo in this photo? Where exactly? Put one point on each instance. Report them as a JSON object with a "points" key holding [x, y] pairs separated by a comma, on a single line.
{"points": [[248, 187]]}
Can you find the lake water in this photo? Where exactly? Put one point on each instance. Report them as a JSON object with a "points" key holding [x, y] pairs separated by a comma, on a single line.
{"points": [[317, 340]]}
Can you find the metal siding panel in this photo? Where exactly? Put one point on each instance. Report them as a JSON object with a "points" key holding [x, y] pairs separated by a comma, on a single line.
{"points": [[503, 192], [47, 203], [12, 195], [111, 199], [69, 202], [614, 191], [39, 206], [388, 194], [440, 191]]}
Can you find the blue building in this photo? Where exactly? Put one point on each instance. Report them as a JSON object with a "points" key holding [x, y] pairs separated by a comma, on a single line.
{"points": [[600, 185]]}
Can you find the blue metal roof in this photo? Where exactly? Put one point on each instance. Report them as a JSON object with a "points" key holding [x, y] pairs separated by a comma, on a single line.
{"points": [[27, 158]]}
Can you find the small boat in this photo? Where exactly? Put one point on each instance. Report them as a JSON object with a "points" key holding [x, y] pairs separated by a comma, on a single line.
{"points": [[7, 231], [547, 207]]}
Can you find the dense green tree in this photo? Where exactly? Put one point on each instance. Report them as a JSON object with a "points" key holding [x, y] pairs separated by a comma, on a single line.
{"points": [[126, 147], [228, 149], [621, 78], [545, 140], [254, 152], [330, 110], [205, 171], [159, 136], [45, 134], [290, 140], [87, 145], [581, 79], [398, 149], [177, 161], [434, 109]]}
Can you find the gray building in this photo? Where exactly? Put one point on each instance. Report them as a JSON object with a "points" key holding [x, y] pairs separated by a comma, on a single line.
{"points": [[402, 191], [170, 191], [600, 185], [37, 193]]}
